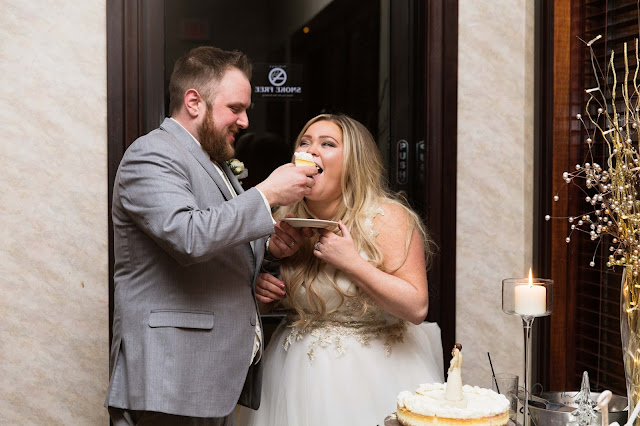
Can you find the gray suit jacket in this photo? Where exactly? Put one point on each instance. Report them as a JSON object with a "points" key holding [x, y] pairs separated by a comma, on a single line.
{"points": [[185, 311]]}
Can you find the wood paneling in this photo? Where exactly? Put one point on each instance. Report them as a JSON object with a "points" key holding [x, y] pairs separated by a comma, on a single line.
{"points": [[585, 322], [115, 117], [561, 122], [134, 87], [441, 109], [542, 176]]}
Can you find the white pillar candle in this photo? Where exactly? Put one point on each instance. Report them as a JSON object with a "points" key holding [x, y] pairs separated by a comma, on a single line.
{"points": [[530, 299]]}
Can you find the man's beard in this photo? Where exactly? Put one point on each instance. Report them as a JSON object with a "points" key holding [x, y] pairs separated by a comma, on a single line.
{"points": [[214, 141]]}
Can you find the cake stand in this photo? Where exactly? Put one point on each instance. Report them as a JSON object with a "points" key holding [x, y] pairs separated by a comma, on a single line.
{"points": [[391, 420]]}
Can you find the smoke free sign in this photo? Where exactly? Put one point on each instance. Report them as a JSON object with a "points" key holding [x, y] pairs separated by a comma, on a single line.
{"points": [[278, 81]]}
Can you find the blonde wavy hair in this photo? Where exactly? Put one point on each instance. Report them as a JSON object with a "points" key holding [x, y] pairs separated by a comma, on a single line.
{"points": [[364, 190]]}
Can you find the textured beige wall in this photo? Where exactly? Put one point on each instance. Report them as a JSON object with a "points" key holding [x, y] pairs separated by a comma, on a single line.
{"points": [[53, 200], [53, 213], [495, 190]]}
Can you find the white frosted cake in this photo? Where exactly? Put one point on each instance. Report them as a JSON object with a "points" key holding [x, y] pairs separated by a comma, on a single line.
{"points": [[451, 403], [427, 406]]}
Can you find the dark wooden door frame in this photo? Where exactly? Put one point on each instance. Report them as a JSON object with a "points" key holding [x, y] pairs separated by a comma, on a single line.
{"points": [[440, 109], [135, 89], [543, 175], [424, 85], [423, 104]]}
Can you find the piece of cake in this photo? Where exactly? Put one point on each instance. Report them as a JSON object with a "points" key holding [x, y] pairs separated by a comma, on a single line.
{"points": [[304, 159], [451, 403]]}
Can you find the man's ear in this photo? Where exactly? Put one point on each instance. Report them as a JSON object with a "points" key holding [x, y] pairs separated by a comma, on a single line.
{"points": [[193, 103]]}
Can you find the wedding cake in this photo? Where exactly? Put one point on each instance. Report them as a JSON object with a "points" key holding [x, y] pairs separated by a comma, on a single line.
{"points": [[451, 403]]}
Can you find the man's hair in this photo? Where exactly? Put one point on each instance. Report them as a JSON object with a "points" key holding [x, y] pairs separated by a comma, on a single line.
{"points": [[200, 69]]}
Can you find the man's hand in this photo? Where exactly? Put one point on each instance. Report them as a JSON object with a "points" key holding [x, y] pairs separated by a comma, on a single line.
{"points": [[288, 184]]}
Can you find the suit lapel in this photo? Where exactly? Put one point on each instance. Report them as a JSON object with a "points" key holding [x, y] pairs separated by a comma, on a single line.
{"points": [[232, 178], [182, 136], [205, 161], [258, 246], [258, 256], [186, 140]]}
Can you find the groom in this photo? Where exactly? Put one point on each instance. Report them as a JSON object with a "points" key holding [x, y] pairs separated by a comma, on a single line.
{"points": [[188, 244]]}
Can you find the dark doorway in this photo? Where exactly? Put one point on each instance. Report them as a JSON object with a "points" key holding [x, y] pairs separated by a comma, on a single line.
{"points": [[328, 55], [390, 64]]}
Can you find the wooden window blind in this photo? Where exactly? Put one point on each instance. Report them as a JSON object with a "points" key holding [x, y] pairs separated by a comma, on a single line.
{"points": [[593, 296]]}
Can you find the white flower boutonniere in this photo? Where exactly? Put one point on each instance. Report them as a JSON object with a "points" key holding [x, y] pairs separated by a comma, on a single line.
{"points": [[238, 169]]}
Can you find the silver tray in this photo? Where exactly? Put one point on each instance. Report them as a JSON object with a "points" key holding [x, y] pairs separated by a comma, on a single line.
{"points": [[562, 416], [391, 420]]}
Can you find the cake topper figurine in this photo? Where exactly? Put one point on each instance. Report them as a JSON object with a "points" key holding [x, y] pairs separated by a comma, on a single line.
{"points": [[453, 391]]}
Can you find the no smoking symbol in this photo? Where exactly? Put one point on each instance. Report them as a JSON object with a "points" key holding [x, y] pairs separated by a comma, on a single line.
{"points": [[277, 76]]}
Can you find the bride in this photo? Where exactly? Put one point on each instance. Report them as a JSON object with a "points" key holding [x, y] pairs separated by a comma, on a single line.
{"points": [[355, 295]]}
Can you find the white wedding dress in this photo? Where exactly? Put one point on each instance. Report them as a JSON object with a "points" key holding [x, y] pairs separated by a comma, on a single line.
{"points": [[346, 369]]}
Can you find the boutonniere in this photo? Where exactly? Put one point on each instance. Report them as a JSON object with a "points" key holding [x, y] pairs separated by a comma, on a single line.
{"points": [[238, 169]]}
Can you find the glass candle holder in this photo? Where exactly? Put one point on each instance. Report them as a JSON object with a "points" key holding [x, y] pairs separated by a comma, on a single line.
{"points": [[524, 298], [527, 298]]}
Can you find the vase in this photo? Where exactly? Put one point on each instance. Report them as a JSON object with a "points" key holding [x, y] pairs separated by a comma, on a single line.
{"points": [[630, 334]]}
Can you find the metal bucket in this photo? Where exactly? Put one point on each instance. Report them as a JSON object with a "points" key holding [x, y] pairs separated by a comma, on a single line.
{"points": [[561, 416]]}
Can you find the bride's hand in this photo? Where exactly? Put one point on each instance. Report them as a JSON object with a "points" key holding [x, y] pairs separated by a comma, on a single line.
{"points": [[338, 251], [268, 288], [287, 239]]}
